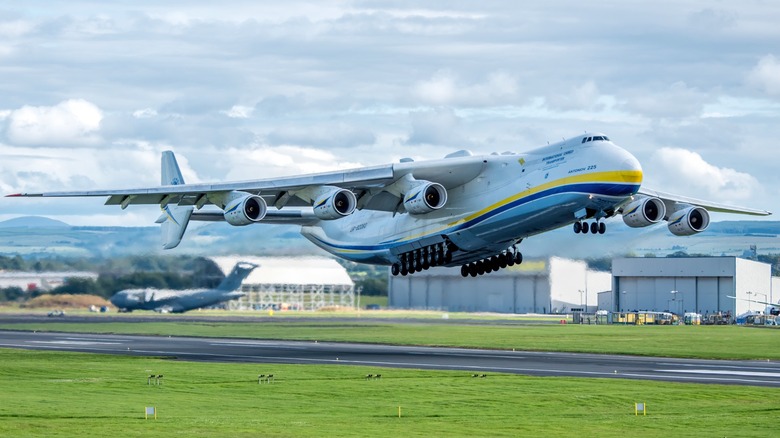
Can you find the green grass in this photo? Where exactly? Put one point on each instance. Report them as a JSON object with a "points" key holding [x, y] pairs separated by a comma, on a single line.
{"points": [[73, 394], [714, 342]]}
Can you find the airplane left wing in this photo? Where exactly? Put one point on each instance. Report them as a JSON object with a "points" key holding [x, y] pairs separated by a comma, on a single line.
{"points": [[673, 202]]}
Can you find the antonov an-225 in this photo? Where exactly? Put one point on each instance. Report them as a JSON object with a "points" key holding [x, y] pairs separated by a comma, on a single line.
{"points": [[462, 210]]}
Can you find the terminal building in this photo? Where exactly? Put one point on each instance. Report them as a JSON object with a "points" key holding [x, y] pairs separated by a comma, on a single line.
{"points": [[554, 285], [690, 284], [290, 283]]}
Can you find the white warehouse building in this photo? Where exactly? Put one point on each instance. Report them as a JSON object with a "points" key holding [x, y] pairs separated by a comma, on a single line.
{"points": [[689, 284], [291, 283], [555, 285]]}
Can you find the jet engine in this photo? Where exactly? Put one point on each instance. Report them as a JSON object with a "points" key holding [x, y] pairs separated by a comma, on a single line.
{"points": [[244, 209], [335, 204], [425, 198], [688, 221], [643, 212]]}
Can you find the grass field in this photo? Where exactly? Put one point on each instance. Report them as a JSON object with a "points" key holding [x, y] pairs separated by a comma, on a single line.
{"points": [[73, 394], [715, 342]]}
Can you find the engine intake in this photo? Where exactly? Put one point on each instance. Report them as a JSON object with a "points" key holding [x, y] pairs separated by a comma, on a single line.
{"points": [[425, 198], [643, 212], [689, 221], [335, 204], [245, 209]]}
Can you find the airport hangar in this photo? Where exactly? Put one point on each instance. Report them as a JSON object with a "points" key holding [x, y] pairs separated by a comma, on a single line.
{"points": [[289, 283], [690, 284], [556, 285]]}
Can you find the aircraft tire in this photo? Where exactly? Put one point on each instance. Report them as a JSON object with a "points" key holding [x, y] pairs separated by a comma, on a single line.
{"points": [[585, 228], [594, 228], [577, 228], [395, 269], [518, 258], [464, 271], [602, 228]]}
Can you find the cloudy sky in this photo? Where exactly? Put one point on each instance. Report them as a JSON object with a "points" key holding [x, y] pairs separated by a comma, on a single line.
{"points": [[91, 92]]}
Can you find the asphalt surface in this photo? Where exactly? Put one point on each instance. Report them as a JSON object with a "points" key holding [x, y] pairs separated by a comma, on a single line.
{"points": [[752, 373]]}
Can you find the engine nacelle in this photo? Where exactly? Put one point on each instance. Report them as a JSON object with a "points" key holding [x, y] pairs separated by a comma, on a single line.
{"points": [[244, 209], [425, 198], [689, 221], [643, 212], [334, 204]]}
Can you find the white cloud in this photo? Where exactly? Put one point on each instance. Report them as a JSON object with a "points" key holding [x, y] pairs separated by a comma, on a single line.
{"points": [[73, 121], [444, 88], [585, 96], [678, 101], [766, 75], [239, 112], [144, 113], [688, 171]]}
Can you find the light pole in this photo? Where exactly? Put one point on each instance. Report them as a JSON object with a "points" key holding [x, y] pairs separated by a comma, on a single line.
{"points": [[623, 300], [750, 301], [674, 299], [581, 292]]}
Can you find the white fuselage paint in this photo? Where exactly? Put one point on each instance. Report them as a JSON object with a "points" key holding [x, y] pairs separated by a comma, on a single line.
{"points": [[515, 196]]}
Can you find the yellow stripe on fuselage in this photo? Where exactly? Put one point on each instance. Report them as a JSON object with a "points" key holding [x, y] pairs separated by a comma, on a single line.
{"points": [[616, 176]]}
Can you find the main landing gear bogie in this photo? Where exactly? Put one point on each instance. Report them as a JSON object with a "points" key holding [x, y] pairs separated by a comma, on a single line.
{"points": [[422, 259], [583, 227], [492, 264]]}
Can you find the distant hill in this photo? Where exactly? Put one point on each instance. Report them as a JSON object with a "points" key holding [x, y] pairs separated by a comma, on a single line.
{"points": [[33, 222], [42, 237]]}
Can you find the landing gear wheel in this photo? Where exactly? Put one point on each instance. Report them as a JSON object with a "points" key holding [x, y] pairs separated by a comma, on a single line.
{"points": [[577, 228], [395, 269], [594, 228], [464, 271], [602, 228], [518, 258], [585, 228]]}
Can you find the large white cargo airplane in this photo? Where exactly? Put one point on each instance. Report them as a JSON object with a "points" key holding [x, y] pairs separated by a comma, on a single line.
{"points": [[462, 210]]}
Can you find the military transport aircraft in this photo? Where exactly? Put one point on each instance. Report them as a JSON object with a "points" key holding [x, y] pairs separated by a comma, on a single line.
{"points": [[177, 301], [462, 210]]}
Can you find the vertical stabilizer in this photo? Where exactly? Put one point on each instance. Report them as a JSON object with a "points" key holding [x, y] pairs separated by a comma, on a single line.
{"points": [[174, 218], [240, 272], [171, 175]]}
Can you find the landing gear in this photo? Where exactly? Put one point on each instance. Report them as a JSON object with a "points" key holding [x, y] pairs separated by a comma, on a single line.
{"points": [[422, 259], [583, 227], [494, 263]]}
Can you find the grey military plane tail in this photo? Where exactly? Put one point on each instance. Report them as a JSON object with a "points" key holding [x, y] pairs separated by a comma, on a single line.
{"points": [[177, 301]]}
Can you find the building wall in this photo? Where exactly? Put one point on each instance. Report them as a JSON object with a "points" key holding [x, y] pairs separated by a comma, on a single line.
{"points": [[680, 285], [536, 286]]}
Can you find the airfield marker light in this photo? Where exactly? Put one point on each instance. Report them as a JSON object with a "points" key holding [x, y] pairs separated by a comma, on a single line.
{"points": [[149, 379], [159, 379], [260, 379]]}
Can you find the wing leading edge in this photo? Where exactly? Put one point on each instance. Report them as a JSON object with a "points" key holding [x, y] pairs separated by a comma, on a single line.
{"points": [[671, 202]]}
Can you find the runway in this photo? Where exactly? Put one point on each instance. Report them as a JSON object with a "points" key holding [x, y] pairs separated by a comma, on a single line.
{"points": [[752, 373]]}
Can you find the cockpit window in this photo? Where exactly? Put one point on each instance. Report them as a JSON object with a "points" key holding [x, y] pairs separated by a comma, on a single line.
{"points": [[596, 138]]}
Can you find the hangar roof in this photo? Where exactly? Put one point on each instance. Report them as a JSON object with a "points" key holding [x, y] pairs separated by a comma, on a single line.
{"points": [[289, 270]]}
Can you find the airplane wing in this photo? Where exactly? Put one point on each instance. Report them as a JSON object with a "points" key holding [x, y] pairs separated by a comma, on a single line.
{"points": [[373, 187], [671, 201]]}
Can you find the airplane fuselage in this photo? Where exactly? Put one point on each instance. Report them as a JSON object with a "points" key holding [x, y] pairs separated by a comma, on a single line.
{"points": [[513, 197]]}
